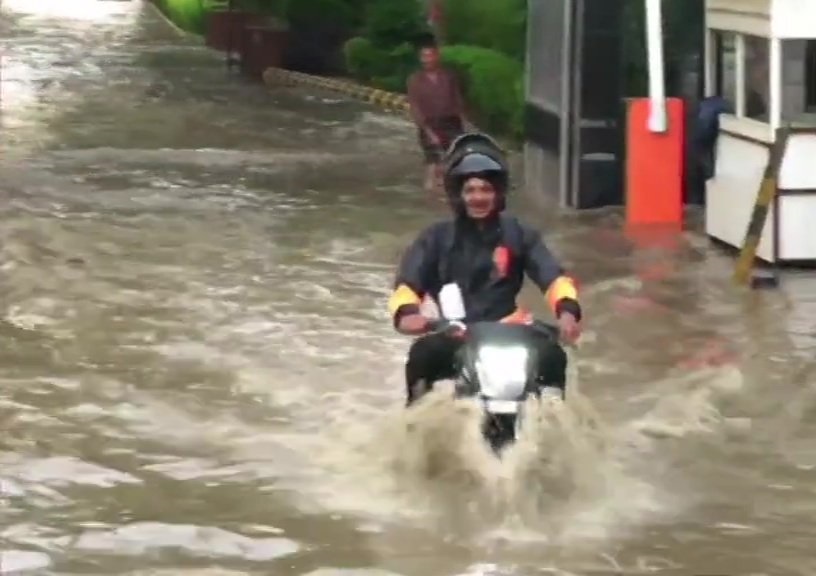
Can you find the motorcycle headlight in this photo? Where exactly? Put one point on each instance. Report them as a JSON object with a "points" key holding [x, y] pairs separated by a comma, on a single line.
{"points": [[502, 371]]}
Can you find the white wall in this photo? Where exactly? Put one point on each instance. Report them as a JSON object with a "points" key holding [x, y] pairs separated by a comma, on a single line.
{"points": [[731, 193], [797, 213], [792, 18], [745, 16]]}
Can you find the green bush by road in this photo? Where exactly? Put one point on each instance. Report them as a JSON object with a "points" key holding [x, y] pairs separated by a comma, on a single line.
{"points": [[499, 25], [486, 43], [488, 50], [188, 15], [493, 84], [487, 40]]}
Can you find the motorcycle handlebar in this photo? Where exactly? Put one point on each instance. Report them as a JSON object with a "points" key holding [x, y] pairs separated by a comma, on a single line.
{"points": [[444, 325]]}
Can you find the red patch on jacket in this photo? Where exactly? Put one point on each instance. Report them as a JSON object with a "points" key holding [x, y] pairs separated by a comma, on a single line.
{"points": [[501, 260]]}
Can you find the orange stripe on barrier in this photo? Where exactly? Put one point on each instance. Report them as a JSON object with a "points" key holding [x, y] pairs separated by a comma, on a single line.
{"points": [[654, 165], [402, 296]]}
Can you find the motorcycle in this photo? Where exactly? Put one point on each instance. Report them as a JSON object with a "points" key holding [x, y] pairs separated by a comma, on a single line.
{"points": [[497, 365]]}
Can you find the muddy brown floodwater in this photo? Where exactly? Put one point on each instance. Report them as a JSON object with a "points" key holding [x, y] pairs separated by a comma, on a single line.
{"points": [[199, 377]]}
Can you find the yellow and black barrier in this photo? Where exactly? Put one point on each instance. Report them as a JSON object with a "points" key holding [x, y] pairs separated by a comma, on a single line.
{"points": [[765, 197], [390, 101]]}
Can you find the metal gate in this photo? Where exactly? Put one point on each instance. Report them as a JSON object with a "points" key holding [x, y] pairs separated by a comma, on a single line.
{"points": [[548, 98], [574, 149]]}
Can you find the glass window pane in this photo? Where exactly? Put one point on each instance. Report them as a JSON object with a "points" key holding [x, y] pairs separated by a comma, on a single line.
{"points": [[757, 78], [725, 66], [798, 80]]}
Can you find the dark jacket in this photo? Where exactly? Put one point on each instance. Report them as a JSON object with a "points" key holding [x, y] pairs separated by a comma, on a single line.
{"points": [[705, 132], [488, 265]]}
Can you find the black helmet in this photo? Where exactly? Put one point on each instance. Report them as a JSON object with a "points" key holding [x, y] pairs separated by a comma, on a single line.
{"points": [[475, 154]]}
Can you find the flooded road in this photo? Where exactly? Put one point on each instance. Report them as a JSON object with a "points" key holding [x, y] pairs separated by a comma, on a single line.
{"points": [[199, 375]]}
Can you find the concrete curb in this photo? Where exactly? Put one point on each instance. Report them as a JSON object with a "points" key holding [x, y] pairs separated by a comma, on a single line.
{"points": [[390, 101]]}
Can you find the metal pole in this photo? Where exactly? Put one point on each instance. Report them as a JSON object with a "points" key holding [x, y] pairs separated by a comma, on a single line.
{"points": [[657, 83]]}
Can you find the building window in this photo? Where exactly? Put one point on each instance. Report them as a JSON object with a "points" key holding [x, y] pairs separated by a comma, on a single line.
{"points": [[757, 78], [810, 77], [725, 66], [798, 79]]}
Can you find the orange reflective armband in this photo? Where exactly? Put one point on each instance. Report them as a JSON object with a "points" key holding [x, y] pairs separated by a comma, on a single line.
{"points": [[402, 296], [562, 287]]}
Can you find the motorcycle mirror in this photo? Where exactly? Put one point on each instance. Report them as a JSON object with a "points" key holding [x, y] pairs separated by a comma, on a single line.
{"points": [[451, 303]]}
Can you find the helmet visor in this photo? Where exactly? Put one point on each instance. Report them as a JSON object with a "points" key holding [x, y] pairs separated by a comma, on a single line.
{"points": [[476, 163]]}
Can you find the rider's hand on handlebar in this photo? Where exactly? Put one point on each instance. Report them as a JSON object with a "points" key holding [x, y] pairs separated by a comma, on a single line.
{"points": [[569, 328], [414, 324], [456, 329]]}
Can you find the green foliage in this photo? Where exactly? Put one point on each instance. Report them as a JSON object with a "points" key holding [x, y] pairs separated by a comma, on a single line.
{"points": [[391, 23], [634, 49], [493, 83], [402, 62], [386, 68], [336, 14], [682, 24], [385, 54], [188, 15], [488, 59], [496, 24], [363, 59], [487, 42], [272, 7], [191, 15]]}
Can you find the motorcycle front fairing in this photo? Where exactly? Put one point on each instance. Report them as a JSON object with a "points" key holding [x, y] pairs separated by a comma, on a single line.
{"points": [[498, 364]]}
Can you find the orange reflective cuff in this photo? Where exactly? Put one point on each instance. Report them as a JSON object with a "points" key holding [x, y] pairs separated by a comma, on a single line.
{"points": [[520, 316], [402, 296], [562, 287]]}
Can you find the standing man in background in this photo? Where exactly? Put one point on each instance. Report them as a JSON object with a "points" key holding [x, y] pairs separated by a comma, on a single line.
{"points": [[437, 109]]}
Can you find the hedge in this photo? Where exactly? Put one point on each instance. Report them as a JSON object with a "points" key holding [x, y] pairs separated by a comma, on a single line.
{"points": [[493, 83], [494, 87], [496, 24], [189, 15], [386, 68], [486, 43]]}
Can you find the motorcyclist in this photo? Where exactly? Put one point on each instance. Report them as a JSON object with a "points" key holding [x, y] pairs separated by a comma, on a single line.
{"points": [[486, 253]]}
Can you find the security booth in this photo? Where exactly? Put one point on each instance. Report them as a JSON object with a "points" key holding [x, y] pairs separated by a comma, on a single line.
{"points": [[761, 58]]}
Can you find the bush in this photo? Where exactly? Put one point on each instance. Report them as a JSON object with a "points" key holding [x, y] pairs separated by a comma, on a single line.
{"points": [[317, 30], [363, 59], [682, 27], [401, 63], [488, 53], [496, 24], [493, 83], [386, 68], [188, 15], [334, 14], [275, 8], [385, 55], [392, 23]]}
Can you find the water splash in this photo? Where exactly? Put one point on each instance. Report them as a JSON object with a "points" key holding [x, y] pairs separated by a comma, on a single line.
{"points": [[562, 479]]}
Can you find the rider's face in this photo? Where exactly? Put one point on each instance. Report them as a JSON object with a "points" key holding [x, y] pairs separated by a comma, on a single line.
{"points": [[479, 197]]}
